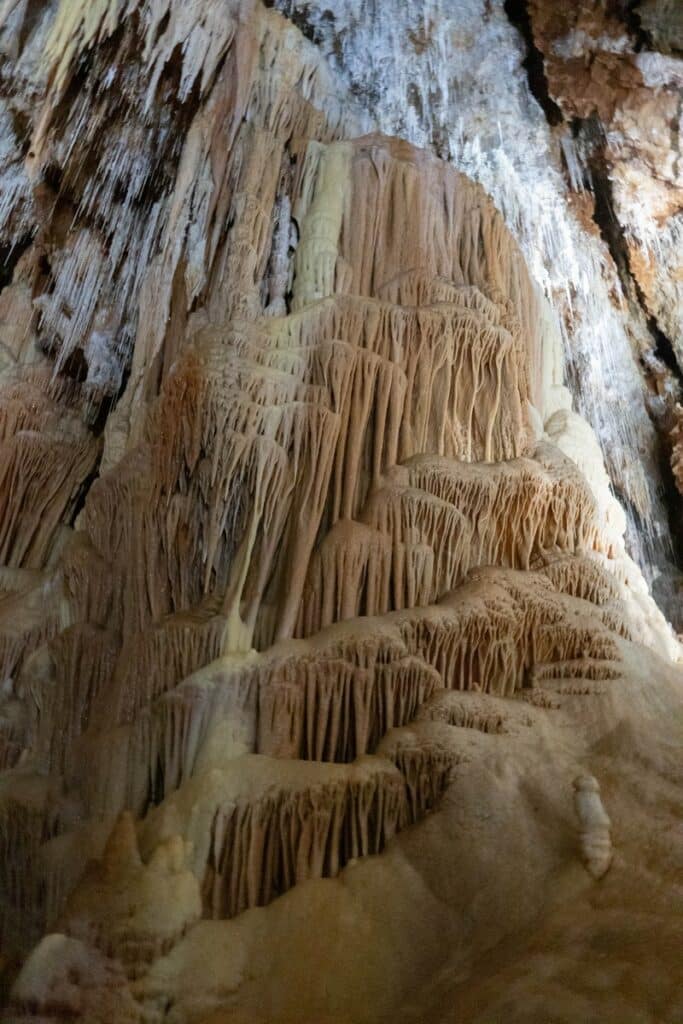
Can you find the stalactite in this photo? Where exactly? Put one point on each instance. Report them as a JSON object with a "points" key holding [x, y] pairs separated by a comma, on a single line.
{"points": [[426, 767], [81, 657], [433, 519], [469, 711], [255, 837], [48, 456], [577, 668], [34, 607], [31, 812], [332, 697]]}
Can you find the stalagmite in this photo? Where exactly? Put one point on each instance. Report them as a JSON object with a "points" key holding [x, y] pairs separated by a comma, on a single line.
{"points": [[161, 902], [594, 825], [66, 976]]}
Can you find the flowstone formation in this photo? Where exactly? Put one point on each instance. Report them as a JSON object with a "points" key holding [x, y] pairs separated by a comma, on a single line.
{"points": [[569, 115], [314, 593]]}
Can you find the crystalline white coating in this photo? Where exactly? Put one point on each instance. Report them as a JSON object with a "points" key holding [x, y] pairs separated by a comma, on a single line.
{"points": [[577, 43], [658, 69]]}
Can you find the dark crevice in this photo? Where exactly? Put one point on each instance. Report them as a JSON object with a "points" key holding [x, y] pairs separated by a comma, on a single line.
{"points": [[299, 16], [592, 137], [518, 15], [83, 493], [10, 256], [21, 126], [627, 12], [75, 366], [663, 349], [671, 500], [34, 12], [676, 135], [101, 410], [613, 236], [162, 26], [603, 211]]}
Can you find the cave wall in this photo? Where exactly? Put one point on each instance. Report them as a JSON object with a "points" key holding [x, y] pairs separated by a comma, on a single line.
{"points": [[293, 482]]}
